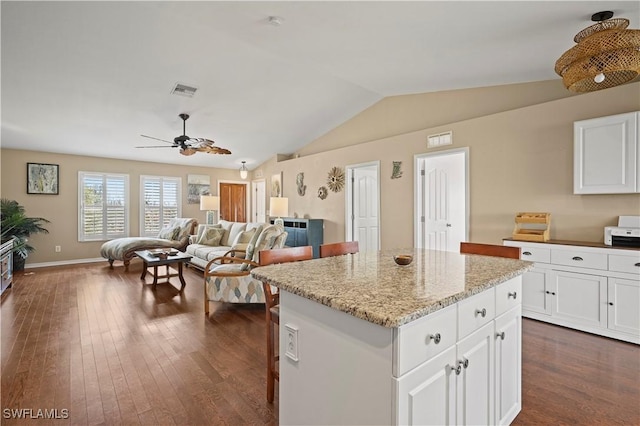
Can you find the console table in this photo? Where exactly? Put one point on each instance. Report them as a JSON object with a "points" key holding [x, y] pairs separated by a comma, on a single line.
{"points": [[304, 232], [6, 265]]}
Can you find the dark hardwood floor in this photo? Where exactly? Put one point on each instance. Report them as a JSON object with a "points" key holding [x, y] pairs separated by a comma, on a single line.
{"points": [[97, 342]]}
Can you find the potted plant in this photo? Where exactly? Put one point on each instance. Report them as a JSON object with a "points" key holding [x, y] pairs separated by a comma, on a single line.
{"points": [[15, 224]]}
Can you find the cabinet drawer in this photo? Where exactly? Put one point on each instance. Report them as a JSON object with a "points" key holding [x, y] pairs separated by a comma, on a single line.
{"points": [[475, 312], [579, 259], [535, 254], [416, 344], [508, 295], [623, 263]]}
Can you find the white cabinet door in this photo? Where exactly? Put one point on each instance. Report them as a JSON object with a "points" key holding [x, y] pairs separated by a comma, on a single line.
{"points": [[624, 305], [535, 297], [508, 354], [475, 387], [427, 395], [579, 297], [606, 155]]}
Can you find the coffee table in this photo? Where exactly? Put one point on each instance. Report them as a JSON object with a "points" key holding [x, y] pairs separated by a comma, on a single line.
{"points": [[151, 264]]}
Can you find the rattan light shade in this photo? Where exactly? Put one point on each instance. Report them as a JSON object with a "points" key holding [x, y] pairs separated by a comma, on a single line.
{"points": [[606, 48]]}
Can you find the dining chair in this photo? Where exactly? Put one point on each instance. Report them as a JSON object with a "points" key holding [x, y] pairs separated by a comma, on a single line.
{"points": [[490, 250], [272, 308], [338, 249]]}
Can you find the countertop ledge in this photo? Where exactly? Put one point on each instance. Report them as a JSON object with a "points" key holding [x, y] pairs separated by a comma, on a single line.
{"points": [[370, 286]]}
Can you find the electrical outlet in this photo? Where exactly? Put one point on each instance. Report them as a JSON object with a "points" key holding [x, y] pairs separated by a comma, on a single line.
{"points": [[58, 249], [291, 340]]}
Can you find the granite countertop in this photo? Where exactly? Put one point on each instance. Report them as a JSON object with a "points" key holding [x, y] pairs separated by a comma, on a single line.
{"points": [[372, 287]]}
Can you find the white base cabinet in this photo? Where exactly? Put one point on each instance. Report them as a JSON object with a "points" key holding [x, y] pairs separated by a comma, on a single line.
{"points": [[459, 365], [593, 289]]}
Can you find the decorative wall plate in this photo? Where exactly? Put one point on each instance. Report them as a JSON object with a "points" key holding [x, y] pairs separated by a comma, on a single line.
{"points": [[322, 192]]}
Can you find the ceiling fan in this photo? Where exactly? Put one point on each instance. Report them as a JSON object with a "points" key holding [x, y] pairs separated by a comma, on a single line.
{"points": [[187, 145]]}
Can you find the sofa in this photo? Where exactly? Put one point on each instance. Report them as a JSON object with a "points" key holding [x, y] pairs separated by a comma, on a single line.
{"points": [[223, 238], [175, 235]]}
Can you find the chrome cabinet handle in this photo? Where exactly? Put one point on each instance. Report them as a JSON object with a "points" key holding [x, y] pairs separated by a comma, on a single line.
{"points": [[514, 295], [526, 253], [550, 292], [577, 258], [463, 362], [500, 335], [435, 337], [457, 369], [482, 312]]}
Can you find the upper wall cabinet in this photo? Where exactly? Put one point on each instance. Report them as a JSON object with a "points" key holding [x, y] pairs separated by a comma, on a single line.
{"points": [[607, 155]]}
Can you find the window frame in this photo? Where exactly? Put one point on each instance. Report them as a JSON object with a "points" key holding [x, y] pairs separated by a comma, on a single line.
{"points": [[82, 236], [162, 179]]}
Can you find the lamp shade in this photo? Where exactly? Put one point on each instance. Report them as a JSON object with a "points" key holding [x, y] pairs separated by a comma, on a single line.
{"points": [[243, 171], [606, 55], [209, 202], [279, 206]]}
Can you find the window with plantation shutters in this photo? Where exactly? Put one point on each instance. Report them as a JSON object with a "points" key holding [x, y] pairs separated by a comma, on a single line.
{"points": [[103, 201], [159, 202]]}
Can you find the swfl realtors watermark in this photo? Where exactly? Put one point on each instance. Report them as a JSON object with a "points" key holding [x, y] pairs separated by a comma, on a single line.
{"points": [[35, 413]]}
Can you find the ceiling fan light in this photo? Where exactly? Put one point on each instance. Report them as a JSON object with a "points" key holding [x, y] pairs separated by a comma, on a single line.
{"points": [[606, 51], [243, 171], [187, 151]]}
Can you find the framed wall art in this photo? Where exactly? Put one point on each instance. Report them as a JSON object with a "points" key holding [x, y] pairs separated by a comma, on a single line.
{"points": [[43, 178], [197, 185], [276, 185]]}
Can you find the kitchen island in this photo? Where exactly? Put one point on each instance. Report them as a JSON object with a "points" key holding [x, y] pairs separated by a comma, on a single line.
{"points": [[366, 341]]}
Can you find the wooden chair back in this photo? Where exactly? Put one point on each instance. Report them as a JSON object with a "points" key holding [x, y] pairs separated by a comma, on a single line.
{"points": [[283, 255], [490, 250], [270, 257], [338, 249]]}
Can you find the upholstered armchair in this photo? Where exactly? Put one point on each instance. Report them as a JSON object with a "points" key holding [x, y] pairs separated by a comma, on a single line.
{"points": [[175, 235], [227, 278]]}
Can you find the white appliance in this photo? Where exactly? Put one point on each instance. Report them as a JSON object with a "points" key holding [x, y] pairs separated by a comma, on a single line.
{"points": [[627, 233]]}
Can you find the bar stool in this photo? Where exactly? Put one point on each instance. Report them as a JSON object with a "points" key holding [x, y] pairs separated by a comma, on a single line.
{"points": [[272, 308], [338, 249]]}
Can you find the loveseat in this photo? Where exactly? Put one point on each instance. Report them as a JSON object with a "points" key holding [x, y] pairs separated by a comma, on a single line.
{"points": [[211, 241], [175, 235]]}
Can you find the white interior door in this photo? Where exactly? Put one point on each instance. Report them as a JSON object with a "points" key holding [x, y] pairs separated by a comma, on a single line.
{"points": [[363, 206], [258, 201], [441, 200]]}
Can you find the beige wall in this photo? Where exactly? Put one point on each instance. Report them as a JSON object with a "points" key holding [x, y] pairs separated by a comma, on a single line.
{"points": [[62, 209], [396, 115], [520, 160]]}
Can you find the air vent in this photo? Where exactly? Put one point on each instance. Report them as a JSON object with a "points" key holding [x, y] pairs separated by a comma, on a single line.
{"points": [[445, 138], [183, 90]]}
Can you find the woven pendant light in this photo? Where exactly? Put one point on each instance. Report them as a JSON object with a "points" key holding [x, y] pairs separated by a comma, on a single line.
{"points": [[607, 55]]}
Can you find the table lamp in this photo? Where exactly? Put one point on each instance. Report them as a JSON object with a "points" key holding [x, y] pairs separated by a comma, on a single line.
{"points": [[209, 203], [278, 206]]}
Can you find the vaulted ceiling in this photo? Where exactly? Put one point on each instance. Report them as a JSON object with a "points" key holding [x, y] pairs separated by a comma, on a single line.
{"points": [[89, 78]]}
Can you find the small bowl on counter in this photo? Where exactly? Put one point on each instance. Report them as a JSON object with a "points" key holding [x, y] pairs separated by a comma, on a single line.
{"points": [[403, 259]]}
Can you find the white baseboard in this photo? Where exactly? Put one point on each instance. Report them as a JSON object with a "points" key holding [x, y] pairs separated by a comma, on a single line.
{"points": [[64, 262]]}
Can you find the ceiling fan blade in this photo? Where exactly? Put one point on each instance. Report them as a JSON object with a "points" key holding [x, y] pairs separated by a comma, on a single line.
{"points": [[155, 146], [201, 141], [213, 150], [158, 139]]}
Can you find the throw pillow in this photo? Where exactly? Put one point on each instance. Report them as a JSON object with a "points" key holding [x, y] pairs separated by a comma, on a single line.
{"points": [[244, 237], [169, 233], [211, 237]]}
